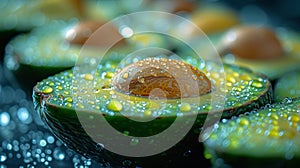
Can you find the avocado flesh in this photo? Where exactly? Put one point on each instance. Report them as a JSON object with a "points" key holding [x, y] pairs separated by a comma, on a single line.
{"points": [[287, 86], [268, 137], [274, 68], [54, 102]]}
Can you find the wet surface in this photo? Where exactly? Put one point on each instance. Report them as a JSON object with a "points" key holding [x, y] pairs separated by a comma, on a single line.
{"points": [[24, 139]]}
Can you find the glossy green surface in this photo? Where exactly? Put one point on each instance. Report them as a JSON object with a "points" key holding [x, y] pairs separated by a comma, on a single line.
{"points": [[287, 86], [240, 87], [258, 137]]}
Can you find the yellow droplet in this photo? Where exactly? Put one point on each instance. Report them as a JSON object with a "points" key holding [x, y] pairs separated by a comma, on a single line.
{"points": [[274, 133], [230, 78], [68, 104], [235, 74], [47, 89], [234, 143], [69, 99], [294, 118], [80, 106], [243, 122], [114, 105], [59, 87], [51, 84], [256, 84], [109, 75], [228, 84], [125, 75], [88, 77], [274, 116], [185, 107], [148, 112], [245, 77]]}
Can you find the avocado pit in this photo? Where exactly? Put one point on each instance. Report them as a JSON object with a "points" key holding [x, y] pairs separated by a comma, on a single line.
{"points": [[249, 42], [175, 78], [80, 33]]}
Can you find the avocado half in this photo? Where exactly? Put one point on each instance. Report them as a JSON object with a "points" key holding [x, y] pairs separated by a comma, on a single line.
{"points": [[45, 51], [54, 102], [268, 137], [273, 68]]}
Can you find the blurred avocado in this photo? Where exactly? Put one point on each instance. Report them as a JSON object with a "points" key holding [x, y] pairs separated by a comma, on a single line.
{"points": [[259, 48], [268, 137]]}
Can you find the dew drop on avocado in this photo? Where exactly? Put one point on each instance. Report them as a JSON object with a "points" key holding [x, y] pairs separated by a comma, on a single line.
{"points": [[109, 75], [89, 77], [185, 107], [257, 84], [47, 89], [115, 105]]}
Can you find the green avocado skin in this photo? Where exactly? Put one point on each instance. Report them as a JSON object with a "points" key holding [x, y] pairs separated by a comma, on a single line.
{"points": [[64, 123], [188, 152], [27, 75]]}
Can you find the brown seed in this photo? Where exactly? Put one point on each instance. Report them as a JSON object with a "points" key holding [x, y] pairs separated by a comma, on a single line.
{"points": [[251, 42], [185, 81], [81, 32], [184, 5]]}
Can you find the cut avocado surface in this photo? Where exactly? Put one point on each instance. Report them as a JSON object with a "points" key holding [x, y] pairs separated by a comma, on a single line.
{"points": [[55, 102], [287, 86], [268, 137]]}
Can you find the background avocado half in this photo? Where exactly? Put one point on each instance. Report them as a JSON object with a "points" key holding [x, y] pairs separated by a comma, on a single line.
{"points": [[268, 137], [273, 68], [46, 50], [54, 102]]}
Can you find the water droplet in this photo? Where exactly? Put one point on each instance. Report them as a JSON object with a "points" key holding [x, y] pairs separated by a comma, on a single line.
{"points": [[43, 143], [126, 163], [58, 154], [125, 75], [257, 84], [3, 157], [23, 115], [141, 80], [287, 100], [89, 77], [9, 146], [126, 32], [47, 89], [4, 119], [114, 105], [185, 107], [134, 141], [243, 121], [50, 139], [187, 153]]}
